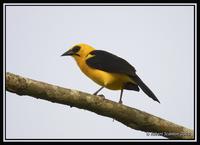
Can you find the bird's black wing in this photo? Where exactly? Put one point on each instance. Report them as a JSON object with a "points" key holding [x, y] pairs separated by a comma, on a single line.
{"points": [[108, 62]]}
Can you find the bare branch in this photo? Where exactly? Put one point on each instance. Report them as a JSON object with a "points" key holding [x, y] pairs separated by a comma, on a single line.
{"points": [[130, 117]]}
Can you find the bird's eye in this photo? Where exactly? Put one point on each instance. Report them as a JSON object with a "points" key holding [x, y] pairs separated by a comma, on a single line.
{"points": [[76, 49]]}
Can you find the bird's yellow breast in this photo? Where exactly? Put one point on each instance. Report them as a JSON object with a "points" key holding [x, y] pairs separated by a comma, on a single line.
{"points": [[111, 81]]}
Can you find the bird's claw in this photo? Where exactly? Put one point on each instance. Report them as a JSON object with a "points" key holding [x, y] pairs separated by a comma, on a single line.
{"points": [[101, 95]]}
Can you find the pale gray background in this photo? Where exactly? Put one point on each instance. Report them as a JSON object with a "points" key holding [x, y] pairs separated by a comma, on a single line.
{"points": [[156, 40]]}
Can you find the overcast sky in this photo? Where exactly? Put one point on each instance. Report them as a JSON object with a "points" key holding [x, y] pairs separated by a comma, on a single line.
{"points": [[157, 40]]}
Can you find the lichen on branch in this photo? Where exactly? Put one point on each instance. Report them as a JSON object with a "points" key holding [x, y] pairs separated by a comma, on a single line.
{"points": [[130, 117]]}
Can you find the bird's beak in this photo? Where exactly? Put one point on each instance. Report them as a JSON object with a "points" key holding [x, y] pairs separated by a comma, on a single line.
{"points": [[69, 52]]}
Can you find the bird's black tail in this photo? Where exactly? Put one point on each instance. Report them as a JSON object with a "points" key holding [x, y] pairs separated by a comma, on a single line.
{"points": [[145, 89]]}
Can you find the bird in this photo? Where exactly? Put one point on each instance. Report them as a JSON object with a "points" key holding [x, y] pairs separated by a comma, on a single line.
{"points": [[108, 70]]}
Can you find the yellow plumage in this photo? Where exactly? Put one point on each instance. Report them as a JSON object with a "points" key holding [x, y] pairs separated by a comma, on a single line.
{"points": [[107, 70], [111, 81]]}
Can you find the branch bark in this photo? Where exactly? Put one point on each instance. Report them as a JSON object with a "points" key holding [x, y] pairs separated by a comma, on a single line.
{"points": [[130, 117]]}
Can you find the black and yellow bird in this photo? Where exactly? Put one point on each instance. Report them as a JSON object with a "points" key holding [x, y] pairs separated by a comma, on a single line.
{"points": [[107, 70]]}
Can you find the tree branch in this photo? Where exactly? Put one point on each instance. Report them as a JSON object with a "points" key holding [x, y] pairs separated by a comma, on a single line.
{"points": [[130, 117]]}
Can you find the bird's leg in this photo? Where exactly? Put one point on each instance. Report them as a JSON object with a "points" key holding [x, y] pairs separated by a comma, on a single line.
{"points": [[120, 100], [98, 91]]}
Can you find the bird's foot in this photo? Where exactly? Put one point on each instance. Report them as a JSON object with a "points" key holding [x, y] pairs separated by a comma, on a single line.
{"points": [[102, 96], [120, 101]]}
